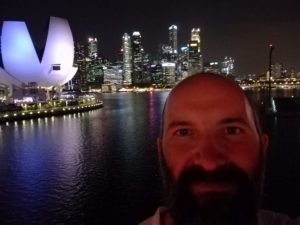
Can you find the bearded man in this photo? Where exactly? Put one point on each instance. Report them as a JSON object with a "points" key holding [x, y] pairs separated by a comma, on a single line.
{"points": [[212, 155]]}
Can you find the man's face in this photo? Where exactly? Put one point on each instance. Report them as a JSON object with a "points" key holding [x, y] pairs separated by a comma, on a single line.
{"points": [[210, 148]]}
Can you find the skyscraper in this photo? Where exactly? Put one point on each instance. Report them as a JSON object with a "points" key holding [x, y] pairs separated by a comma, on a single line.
{"points": [[195, 61], [79, 80], [168, 69], [94, 69], [195, 36], [173, 39], [137, 57], [92, 47], [127, 59], [227, 66]]}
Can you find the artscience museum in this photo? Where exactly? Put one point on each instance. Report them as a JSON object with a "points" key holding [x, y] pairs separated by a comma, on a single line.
{"points": [[21, 64]]}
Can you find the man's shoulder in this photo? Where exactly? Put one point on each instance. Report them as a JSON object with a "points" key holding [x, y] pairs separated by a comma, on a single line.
{"points": [[273, 218]]}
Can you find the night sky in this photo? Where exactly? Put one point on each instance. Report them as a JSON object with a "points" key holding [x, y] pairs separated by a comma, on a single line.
{"points": [[241, 29]]}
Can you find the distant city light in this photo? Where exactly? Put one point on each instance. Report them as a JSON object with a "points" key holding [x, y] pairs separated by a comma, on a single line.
{"points": [[173, 27], [136, 33], [168, 64]]}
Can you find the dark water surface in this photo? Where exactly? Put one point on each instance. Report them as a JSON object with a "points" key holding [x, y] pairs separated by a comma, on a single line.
{"points": [[100, 167]]}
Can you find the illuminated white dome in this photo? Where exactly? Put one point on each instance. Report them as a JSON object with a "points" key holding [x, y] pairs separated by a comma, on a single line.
{"points": [[20, 58]]}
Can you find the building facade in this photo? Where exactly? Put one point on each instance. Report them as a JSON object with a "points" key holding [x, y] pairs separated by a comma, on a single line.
{"points": [[127, 59], [173, 40], [227, 66], [92, 47], [137, 58], [195, 61]]}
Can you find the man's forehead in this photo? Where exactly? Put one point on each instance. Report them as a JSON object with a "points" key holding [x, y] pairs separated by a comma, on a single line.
{"points": [[206, 83], [206, 92], [205, 88]]}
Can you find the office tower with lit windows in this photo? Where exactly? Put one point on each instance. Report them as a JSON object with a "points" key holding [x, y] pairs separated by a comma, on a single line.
{"points": [[79, 80], [195, 36], [94, 73], [194, 57], [137, 58], [113, 77], [127, 59], [195, 61], [169, 73], [94, 68], [173, 40], [227, 66], [183, 63], [156, 72], [92, 47]]}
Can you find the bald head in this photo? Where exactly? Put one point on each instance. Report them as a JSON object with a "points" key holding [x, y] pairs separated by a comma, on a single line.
{"points": [[208, 88]]}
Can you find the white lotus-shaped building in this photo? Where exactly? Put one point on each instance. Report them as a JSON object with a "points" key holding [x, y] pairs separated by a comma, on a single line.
{"points": [[21, 62]]}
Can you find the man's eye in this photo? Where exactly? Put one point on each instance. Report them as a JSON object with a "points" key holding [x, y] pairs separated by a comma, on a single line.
{"points": [[233, 130], [182, 132]]}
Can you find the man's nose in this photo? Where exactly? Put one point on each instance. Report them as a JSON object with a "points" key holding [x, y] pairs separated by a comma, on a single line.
{"points": [[209, 153]]}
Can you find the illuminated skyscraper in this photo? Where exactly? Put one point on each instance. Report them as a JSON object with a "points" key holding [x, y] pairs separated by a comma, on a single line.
{"points": [[173, 39], [195, 62], [92, 47], [127, 59], [195, 36], [137, 58], [79, 80], [169, 77], [183, 63], [194, 58], [94, 69], [227, 66]]}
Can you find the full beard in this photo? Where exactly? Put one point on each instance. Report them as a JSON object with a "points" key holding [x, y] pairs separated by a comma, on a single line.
{"points": [[237, 207]]}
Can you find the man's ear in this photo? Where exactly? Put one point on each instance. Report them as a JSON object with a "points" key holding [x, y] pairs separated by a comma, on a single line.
{"points": [[158, 144], [265, 142]]}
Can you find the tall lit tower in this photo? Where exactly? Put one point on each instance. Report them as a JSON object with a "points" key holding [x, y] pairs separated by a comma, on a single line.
{"points": [[79, 80], [195, 61], [92, 47], [127, 59], [137, 57], [195, 36], [173, 39]]}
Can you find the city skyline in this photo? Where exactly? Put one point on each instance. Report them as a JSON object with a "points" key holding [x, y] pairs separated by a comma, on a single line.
{"points": [[241, 30]]}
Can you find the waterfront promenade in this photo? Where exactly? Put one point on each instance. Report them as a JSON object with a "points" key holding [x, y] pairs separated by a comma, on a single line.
{"points": [[47, 112]]}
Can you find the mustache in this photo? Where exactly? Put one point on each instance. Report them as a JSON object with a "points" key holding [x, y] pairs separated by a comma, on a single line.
{"points": [[228, 173]]}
